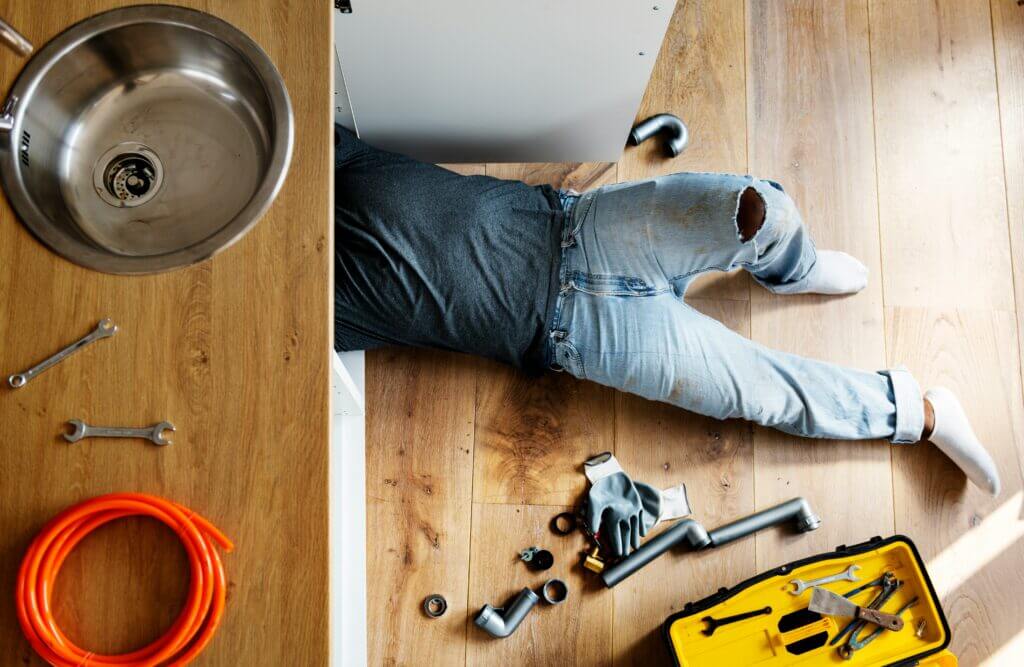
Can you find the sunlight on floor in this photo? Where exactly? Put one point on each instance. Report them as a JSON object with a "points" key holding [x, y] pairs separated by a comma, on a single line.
{"points": [[973, 550], [1009, 653]]}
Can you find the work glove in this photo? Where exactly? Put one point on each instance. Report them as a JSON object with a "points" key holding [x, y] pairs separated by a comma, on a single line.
{"points": [[623, 511], [616, 511]]}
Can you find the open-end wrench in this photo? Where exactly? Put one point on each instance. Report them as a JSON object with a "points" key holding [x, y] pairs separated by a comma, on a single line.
{"points": [[82, 430], [714, 623], [104, 329], [846, 575]]}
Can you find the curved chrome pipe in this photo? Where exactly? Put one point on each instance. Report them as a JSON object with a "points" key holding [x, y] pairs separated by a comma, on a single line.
{"points": [[14, 40], [503, 621], [674, 128]]}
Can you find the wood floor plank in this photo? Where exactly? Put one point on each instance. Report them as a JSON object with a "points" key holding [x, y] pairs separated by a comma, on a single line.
{"points": [[1008, 36], [663, 446], [533, 433], [419, 459], [974, 544], [810, 127], [699, 77], [940, 170], [576, 632], [942, 207]]}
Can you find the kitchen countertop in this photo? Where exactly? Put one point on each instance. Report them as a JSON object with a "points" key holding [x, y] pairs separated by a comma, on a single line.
{"points": [[234, 351]]}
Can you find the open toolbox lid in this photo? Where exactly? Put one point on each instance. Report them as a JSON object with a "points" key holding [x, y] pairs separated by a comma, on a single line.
{"points": [[790, 634]]}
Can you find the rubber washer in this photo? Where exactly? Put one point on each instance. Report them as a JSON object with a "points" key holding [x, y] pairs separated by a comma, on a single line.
{"points": [[542, 560], [566, 519], [435, 606], [554, 591]]}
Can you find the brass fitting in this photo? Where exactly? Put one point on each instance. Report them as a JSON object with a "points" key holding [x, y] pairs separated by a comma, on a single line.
{"points": [[593, 562]]}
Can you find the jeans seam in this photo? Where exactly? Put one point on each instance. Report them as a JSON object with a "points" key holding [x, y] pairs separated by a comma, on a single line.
{"points": [[716, 267]]}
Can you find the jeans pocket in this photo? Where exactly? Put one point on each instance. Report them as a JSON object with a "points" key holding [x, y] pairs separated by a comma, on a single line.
{"points": [[568, 357]]}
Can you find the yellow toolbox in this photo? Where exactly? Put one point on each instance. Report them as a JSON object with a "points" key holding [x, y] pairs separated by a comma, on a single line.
{"points": [[761, 621]]}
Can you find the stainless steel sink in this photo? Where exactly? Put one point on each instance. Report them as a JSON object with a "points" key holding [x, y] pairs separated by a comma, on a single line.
{"points": [[145, 139]]}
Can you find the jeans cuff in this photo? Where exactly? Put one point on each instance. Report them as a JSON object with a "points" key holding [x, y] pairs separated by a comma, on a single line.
{"points": [[909, 406]]}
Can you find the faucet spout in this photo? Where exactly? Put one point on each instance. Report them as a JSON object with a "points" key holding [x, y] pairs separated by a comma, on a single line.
{"points": [[7, 115], [14, 40]]}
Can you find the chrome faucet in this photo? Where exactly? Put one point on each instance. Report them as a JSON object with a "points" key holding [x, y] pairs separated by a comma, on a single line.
{"points": [[16, 42], [14, 39]]}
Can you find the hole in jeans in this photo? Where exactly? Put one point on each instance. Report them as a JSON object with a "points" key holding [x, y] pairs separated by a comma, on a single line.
{"points": [[750, 214]]}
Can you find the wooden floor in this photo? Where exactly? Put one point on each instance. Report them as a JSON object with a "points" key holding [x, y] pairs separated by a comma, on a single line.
{"points": [[898, 126]]}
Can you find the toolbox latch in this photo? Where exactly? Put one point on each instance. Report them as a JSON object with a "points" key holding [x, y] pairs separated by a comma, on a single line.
{"points": [[842, 548]]}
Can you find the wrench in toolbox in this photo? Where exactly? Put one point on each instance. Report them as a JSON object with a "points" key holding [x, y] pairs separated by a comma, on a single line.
{"points": [[846, 575]]}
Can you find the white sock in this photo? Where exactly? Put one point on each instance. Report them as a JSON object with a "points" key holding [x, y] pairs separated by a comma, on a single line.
{"points": [[954, 436], [834, 272]]}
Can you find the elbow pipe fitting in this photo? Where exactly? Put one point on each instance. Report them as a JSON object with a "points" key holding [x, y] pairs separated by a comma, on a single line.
{"points": [[503, 621], [675, 130], [692, 533]]}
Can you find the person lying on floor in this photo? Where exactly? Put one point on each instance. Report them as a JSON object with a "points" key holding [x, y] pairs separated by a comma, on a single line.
{"points": [[593, 285]]}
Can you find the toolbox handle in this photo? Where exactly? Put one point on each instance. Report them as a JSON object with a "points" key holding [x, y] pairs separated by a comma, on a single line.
{"points": [[825, 624]]}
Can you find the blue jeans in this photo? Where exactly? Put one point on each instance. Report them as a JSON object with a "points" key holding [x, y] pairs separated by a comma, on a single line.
{"points": [[629, 253]]}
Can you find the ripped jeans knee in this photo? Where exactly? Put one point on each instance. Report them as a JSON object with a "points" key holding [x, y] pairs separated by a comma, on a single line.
{"points": [[750, 214]]}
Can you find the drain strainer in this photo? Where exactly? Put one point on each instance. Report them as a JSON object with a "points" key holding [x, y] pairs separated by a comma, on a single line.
{"points": [[128, 175]]}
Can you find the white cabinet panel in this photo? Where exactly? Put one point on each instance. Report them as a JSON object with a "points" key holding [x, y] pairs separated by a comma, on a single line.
{"points": [[347, 479], [479, 80]]}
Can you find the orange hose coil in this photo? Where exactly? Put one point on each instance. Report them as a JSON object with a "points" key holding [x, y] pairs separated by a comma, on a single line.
{"points": [[190, 632]]}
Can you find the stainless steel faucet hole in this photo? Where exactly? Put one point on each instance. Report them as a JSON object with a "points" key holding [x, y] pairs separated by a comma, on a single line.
{"points": [[128, 175]]}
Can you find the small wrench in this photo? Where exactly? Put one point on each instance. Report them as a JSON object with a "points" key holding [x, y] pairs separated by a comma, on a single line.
{"points": [[714, 623], [104, 329], [83, 430], [845, 575]]}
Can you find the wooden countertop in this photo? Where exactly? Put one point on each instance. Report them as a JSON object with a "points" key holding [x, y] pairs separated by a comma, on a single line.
{"points": [[234, 351]]}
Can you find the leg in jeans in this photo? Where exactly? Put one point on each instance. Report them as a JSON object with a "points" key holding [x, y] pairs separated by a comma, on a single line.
{"points": [[664, 350], [670, 229], [621, 320]]}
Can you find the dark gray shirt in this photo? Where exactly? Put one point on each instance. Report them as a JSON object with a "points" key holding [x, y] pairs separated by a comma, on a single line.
{"points": [[427, 257]]}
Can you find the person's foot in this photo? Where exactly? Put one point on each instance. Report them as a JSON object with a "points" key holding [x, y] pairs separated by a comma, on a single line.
{"points": [[834, 272], [955, 438]]}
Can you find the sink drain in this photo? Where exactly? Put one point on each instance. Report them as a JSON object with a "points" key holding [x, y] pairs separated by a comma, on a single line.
{"points": [[128, 175]]}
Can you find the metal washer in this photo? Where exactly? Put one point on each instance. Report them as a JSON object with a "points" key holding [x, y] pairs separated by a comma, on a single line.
{"points": [[435, 606], [559, 593]]}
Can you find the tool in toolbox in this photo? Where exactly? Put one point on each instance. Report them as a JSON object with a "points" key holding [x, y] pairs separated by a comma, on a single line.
{"points": [[825, 601], [799, 585], [104, 329], [856, 643], [715, 623], [80, 429], [887, 583], [894, 581]]}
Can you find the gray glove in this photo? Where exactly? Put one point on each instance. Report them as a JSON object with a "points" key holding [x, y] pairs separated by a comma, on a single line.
{"points": [[616, 510], [623, 511]]}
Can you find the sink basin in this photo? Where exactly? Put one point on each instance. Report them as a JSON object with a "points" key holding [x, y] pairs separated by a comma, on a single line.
{"points": [[145, 139]]}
